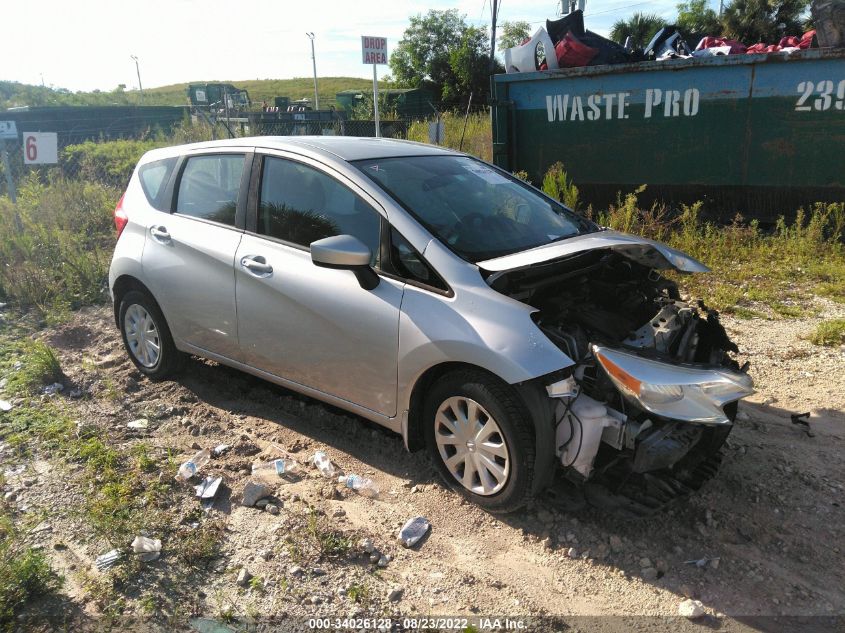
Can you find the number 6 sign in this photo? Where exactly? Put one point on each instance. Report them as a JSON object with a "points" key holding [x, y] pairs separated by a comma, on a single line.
{"points": [[40, 148]]}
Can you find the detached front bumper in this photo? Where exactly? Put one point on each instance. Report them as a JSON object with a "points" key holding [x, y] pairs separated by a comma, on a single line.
{"points": [[677, 392]]}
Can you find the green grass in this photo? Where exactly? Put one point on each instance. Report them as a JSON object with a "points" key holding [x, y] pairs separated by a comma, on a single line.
{"points": [[24, 572], [829, 333], [17, 94], [39, 365], [478, 139], [755, 272]]}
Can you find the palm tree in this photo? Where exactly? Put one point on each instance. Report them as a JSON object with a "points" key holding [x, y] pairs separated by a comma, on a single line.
{"points": [[640, 26]]}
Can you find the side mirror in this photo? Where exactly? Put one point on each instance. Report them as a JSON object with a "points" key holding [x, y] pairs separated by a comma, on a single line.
{"points": [[346, 252]]}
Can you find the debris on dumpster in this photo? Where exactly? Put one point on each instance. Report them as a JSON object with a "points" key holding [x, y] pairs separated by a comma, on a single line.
{"points": [[565, 43], [147, 549], [413, 530]]}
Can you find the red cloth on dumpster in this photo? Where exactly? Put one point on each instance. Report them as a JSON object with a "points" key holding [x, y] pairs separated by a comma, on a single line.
{"points": [[737, 48], [790, 41], [571, 53], [762, 48], [807, 39]]}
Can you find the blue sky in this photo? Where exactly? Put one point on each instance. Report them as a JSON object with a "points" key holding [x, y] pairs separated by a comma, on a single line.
{"points": [[86, 44]]}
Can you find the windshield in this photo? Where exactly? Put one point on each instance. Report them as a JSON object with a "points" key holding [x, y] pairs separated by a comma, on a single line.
{"points": [[477, 211]]}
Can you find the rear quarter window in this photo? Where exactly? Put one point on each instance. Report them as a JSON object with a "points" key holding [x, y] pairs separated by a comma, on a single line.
{"points": [[154, 177]]}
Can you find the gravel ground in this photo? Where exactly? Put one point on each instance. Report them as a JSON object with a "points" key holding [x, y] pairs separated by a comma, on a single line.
{"points": [[768, 529]]}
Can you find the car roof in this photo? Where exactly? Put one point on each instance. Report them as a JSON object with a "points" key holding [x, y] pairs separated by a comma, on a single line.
{"points": [[347, 148]]}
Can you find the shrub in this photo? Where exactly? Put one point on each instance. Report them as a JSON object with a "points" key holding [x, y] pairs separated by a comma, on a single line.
{"points": [[829, 333], [478, 138], [110, 163], [55, 253], [24, 573], [559, 186]]}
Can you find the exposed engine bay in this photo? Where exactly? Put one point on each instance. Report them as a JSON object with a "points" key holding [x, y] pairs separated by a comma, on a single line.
{"points": [[652, 395]]}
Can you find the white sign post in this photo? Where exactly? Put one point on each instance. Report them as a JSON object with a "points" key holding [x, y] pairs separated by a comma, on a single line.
{"points": [[40, 148], [374, 51]]}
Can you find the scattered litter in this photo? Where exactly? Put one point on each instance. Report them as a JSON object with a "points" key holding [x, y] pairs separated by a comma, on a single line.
{"points": [[141, 423], [104, 561], [322, 463], [253, 491], [208, 489], [41, 527], [797, 418], [244, 577], [148, 549], [273, 470], [218, 450], [362, 485], [382, 561], [51, 390], [75, 393], [691, 609], [413, 530], [272, 508], [702, 562], [367, 545], [18, 365], [192, 466], [5, 405]]}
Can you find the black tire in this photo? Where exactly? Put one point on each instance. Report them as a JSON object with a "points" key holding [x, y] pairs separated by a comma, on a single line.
{"points": [[517, 432], [170, 360]]}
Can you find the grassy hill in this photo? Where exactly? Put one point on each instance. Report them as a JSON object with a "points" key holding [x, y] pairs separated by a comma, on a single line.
{"points": [[13, 93]]}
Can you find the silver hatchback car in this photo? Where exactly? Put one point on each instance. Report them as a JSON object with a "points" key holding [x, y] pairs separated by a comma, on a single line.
{"points": [[438, 296]]}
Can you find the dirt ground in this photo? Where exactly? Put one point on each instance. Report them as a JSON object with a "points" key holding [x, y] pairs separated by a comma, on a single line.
{"points": [[771, 525]]}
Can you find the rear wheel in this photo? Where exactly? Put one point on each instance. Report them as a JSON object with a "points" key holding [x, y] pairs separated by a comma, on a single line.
{"points": [[481, 439], [146, 336]]}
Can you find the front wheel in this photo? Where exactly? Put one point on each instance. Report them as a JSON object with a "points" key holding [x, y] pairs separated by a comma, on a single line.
{"points": [[146, 336], [481, 439]]}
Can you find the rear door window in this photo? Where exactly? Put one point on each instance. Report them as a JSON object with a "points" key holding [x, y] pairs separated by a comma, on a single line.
{"points": [[154, 177], [209, 187]]}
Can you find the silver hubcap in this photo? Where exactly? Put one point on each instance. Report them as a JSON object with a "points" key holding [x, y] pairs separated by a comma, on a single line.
{"points": [[142, 335], [472, 445]]}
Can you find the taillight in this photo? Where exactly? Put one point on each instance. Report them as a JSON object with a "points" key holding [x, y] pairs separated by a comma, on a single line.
{"points": [[120, 217]]}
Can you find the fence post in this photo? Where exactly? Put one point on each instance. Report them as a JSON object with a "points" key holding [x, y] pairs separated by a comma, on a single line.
{"points": [[10, 182]]}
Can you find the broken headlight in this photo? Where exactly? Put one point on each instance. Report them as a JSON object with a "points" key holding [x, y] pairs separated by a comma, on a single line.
{"points": [[678, 392]]}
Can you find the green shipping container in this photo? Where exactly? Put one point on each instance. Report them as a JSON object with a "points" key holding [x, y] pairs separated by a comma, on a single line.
{"points": [[757, 134]]}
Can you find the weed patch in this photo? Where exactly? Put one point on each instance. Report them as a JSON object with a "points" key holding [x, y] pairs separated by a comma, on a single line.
{"points": [[24, 572], [829, 333]]}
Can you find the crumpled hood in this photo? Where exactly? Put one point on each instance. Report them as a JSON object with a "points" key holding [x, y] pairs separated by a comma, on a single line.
{"points": [[639, 249]]}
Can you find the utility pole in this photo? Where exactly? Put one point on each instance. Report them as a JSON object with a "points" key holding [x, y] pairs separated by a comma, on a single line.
{"points": [[494, 8], [138, 70], [314, 64]]}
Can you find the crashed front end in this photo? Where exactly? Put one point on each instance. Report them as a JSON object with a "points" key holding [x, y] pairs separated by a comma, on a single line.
{"points": [[654, 387]]}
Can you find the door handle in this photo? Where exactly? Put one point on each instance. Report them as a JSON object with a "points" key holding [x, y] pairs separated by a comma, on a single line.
{"points": [[257, 265], [160, 234]]}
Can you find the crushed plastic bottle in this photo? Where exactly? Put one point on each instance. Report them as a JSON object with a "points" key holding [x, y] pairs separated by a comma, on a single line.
{"points": [[192, 466], [273, 470], [322, 462], [362, 485]]}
